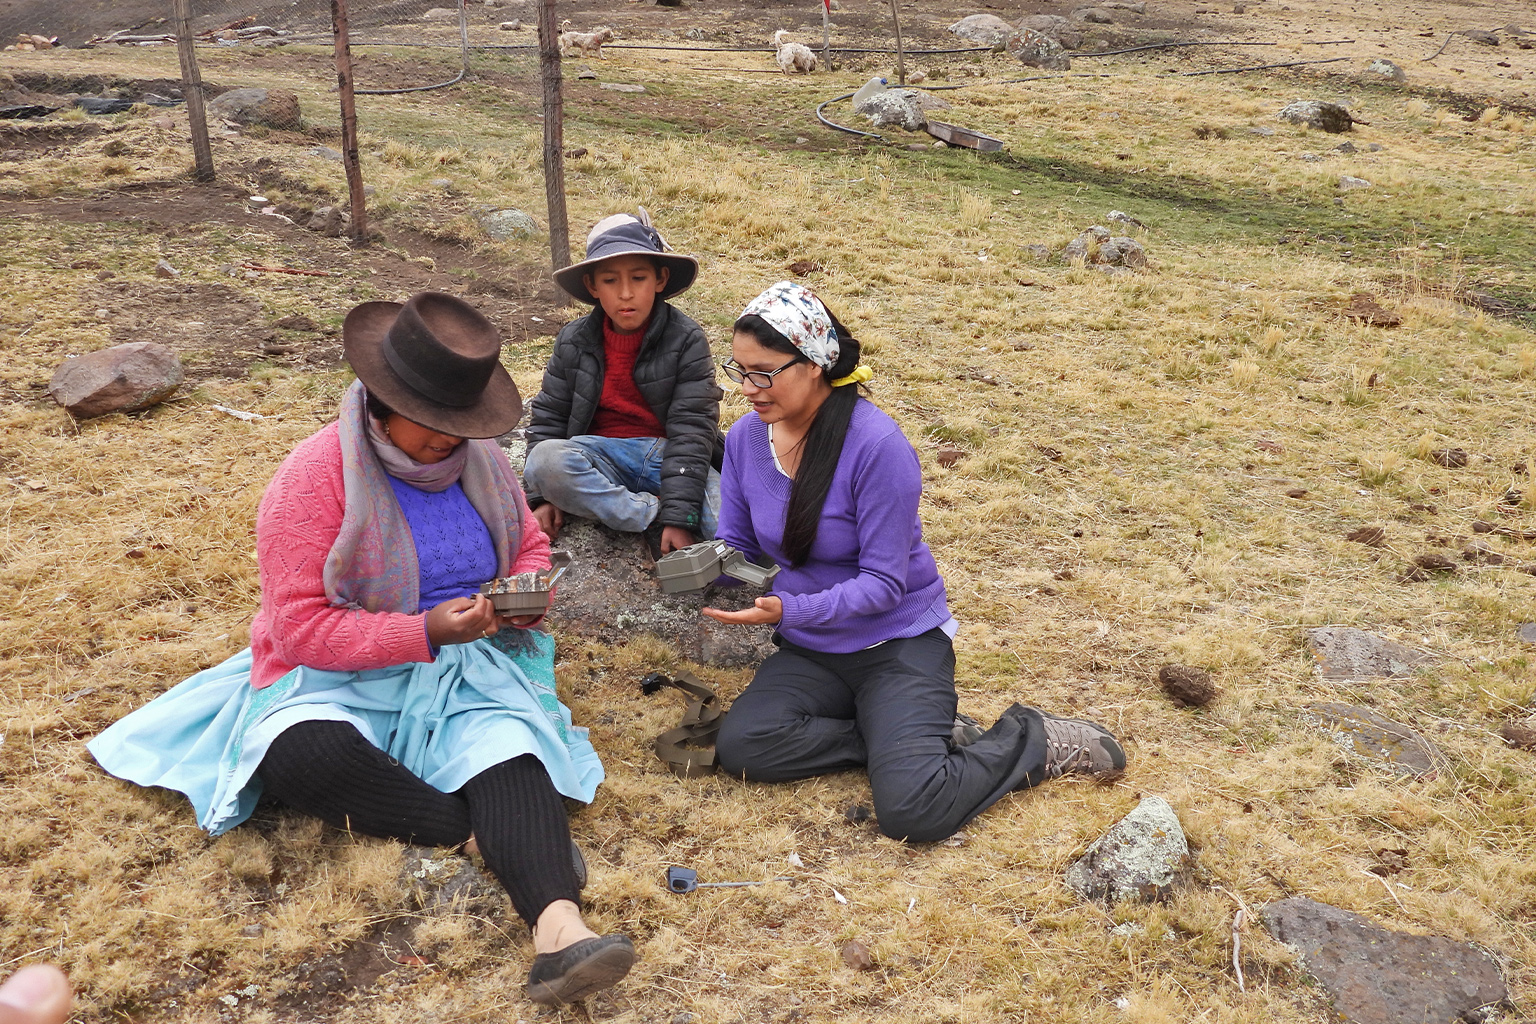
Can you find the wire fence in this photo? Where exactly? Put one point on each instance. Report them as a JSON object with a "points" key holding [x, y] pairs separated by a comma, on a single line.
{"points": [[464, 37]]}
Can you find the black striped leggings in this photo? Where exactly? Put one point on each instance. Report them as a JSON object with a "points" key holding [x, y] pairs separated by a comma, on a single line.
{"points": [[518, 819]]}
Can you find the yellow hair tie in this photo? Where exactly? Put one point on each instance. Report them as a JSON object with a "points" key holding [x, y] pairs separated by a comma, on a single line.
{"points": [[860, 374]]}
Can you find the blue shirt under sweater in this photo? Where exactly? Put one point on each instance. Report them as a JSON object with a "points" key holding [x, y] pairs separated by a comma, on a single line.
{"points": [[453, 547]]}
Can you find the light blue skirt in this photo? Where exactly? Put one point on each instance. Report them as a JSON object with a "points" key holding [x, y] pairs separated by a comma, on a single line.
{"points": [[447, 720]]}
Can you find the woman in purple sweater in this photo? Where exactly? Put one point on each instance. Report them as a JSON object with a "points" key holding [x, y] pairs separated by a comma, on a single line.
{"points": [[825, 484]]}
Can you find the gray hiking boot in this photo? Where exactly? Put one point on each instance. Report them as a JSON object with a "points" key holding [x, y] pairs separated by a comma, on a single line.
{"points": [[1077, 745], [966, 731]]}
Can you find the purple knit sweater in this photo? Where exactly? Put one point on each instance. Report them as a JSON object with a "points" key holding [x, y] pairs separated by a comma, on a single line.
{"points": [[869, 577]]}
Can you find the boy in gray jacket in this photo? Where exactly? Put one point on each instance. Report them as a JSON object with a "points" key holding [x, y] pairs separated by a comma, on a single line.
{"points": [[626, 427]]}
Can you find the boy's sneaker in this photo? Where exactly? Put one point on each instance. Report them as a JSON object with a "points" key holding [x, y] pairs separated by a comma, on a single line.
{"points": [[1077, 745], [965, 732]]}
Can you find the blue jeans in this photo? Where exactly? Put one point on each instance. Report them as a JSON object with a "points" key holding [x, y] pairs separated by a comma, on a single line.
{"points": [[614, 480]]}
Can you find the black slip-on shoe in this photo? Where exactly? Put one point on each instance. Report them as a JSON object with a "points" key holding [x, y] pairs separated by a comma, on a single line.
{"points": [[580, 969]]}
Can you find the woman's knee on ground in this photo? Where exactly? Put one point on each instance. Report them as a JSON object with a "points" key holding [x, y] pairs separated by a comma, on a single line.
{"points": [[750, 747]]}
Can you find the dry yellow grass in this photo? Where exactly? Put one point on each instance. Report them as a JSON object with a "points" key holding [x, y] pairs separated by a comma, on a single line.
{"points": [[1129, 440]]}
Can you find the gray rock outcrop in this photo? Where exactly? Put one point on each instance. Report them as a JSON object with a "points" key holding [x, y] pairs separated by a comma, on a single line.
{"points": [[1344, 652], [273, 108], [1366, 733], [1144, 856], [611, 592], [123, 378], [1378, 976]]}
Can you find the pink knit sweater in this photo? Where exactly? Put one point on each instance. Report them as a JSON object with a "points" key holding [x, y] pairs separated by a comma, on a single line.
{"points": [[299, 518]]}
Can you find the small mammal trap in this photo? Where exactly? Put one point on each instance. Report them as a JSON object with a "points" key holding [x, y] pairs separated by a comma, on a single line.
{"points": [[527, 593], [698, 565]]}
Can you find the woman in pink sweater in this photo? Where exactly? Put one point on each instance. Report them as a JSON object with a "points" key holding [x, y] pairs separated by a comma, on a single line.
{"points": [[381, 691]]}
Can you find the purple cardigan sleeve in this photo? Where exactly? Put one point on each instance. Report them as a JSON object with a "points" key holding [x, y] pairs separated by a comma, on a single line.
{"points": [[887, 486], [735, 523]]}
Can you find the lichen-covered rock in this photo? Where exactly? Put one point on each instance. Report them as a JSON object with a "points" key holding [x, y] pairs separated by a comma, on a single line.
{"points": [[505, 225], [1144, 856], [1366, 733], [1038, 50], [894, 108], [123, 378], [1386, 69]]}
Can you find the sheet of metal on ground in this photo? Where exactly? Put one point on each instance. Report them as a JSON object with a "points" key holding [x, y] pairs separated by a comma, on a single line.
{"points": [[958, 136]]}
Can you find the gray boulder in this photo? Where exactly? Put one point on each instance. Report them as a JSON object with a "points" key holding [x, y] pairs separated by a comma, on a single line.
{"points": [[273, 108], [1144, 856], [505, 225], [1327, 117], [123, 378], [894, 108], [1037, 50], [1093, 16], [1378, 976], [982, 29], [611, 592]]}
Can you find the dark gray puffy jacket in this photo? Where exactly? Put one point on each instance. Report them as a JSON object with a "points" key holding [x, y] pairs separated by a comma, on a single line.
{"points": [[674, 372]]}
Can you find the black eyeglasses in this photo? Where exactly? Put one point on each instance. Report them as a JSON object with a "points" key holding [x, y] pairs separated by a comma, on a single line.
{"points": [[759, 378]]}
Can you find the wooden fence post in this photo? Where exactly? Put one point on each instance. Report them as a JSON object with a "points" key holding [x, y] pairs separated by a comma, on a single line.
{"points": [[349, 121], [192, 89], [554, 138]]}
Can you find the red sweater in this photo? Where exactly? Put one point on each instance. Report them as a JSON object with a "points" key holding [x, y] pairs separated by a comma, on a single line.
{"points": [[622, 411]]}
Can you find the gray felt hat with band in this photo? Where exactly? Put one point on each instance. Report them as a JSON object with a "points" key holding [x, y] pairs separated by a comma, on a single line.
{"points": [[436, 361], [624, 234]]}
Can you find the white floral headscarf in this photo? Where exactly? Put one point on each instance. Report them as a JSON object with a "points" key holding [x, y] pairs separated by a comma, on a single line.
{"points": [[795, 312]]}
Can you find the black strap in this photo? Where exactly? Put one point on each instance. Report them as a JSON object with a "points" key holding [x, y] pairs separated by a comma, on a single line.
{"points": [[689, 749]]}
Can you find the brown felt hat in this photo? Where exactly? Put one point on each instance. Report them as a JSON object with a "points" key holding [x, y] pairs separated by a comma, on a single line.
{"points": [[436, 361]]}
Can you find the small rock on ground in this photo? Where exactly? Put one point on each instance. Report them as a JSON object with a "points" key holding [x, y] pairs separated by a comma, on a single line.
{"points": [[1038, 50], [504, 225], [123, 378], [1328, 117], [1144, 856], [1386, 69]]}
